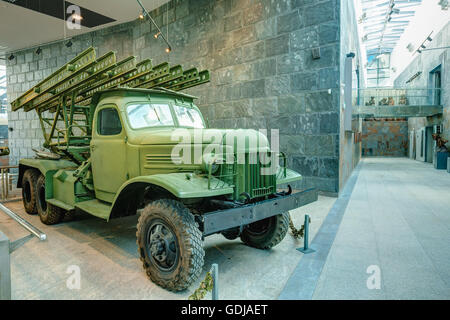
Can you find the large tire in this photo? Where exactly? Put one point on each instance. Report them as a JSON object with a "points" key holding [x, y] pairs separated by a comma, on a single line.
{"points": [[170, 244], [266, 233], [48, 213], [29, 181]]}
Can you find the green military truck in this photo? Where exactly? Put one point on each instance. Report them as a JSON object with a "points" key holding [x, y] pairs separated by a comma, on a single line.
{"points": [[108, 129]]}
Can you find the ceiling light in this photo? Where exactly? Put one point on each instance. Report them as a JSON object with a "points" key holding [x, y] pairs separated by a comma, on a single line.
{"points": [[419, 51], [69, 44], [11, 57], [429, 39], [423, 46], [168, 49], [443, 4], [157, 35], [77, 17], [410, 47], [39, 50]]}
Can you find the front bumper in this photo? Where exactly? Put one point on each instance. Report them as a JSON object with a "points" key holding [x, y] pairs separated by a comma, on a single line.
{"points": [[217, 221]]}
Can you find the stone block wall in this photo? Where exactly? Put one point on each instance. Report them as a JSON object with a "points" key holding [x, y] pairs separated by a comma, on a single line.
{"points": [[349, 153], [263, 75]]}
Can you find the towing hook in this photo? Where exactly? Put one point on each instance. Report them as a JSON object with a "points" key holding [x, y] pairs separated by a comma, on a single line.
{"points": [[285, 193], [247, 198]]}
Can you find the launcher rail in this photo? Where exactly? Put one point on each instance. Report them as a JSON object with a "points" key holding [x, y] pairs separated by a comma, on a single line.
{"points": [[63, 100]]}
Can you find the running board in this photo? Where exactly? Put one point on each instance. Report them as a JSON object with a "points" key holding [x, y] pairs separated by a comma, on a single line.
{"points": [[96, 208]]}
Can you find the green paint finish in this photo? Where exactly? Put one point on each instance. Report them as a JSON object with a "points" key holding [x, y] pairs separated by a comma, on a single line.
{"points": [[47, 165], [96, 207], [105, 152], [183, 185], [291, 176]]}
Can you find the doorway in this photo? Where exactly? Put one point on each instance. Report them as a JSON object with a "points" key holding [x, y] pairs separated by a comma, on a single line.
{"points": [[435, 83], [429, 143], [420, 144], [412, 145]]}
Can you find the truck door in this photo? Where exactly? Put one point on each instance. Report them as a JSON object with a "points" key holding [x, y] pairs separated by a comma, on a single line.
{"points": [[108, 152]]}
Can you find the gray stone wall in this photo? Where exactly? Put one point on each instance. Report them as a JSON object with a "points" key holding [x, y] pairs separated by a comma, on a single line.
{"points": [[263, 75], [349, 153], [426, 62]]}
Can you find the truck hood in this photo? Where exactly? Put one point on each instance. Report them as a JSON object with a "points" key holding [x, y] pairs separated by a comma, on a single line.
{"points": [[241, 140]]}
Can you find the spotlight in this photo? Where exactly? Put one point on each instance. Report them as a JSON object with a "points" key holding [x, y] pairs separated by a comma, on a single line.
{"points": [[410, 47], [69, 44], [38, 51], [142, 15], [157, 35], [423, 46], [168, 49], [77, 17], [429, 39], [11, 57], [419, 51]]}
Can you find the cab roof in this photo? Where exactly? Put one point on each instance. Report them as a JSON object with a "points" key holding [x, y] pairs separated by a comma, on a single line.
{"points": [[126, 92]]}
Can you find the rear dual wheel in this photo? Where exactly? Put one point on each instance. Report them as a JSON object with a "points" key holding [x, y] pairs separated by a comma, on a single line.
{"points": [[48, 213], [29, 181]]}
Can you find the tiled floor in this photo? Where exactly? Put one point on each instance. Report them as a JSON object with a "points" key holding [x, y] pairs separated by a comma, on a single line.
{"points": [[398, 220], [110, 268]]}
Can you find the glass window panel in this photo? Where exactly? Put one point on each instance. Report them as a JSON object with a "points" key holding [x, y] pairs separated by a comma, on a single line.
{"points": [[149, 115]]}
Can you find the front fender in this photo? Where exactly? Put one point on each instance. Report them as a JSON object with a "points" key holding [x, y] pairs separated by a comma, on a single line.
{"points": [[286, 175], [182, 185]]}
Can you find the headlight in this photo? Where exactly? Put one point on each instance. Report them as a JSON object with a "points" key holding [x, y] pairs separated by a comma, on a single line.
{"points": [[210, 162]]}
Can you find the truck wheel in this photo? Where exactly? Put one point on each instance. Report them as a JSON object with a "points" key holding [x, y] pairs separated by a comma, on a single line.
{"points": [[29, 181], [170, 244], [48, 213], [266, 233]]}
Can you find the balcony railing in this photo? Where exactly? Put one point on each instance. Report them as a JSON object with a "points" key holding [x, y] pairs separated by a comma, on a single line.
{"points": [[3, 108], [397, 97]]}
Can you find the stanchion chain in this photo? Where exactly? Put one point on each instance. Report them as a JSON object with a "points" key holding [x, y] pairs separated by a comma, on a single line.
{"points": [[297, 233], [205, 286]]}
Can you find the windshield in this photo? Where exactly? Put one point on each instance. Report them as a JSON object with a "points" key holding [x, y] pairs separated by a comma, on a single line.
{"points": [[188, 117], [149, 115]]}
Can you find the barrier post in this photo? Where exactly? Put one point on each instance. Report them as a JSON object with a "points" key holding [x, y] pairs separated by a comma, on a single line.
{"points": [[306, 249], [215, 276]]}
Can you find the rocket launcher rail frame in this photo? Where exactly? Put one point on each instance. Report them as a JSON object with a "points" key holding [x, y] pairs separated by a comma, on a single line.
{"points": [[67, 95], [85, 75]]}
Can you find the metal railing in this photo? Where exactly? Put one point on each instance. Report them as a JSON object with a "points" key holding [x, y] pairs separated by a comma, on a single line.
{"points": [[397, 97], [6, 180], [7, 247]]}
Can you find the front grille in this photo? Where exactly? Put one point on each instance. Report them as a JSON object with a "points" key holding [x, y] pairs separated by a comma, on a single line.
{"points": [[258, 185]]}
